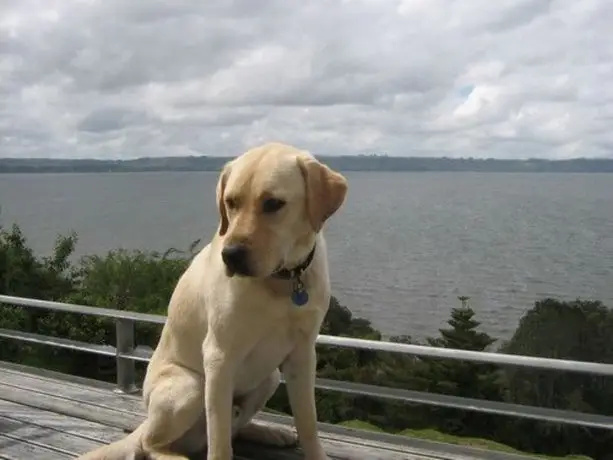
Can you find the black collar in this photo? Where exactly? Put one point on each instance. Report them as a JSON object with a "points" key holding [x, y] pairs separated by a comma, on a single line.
{"points": [[297, 271]]}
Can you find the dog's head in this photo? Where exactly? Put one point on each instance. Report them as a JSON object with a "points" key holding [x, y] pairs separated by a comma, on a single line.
{"points": [[272, 201]]}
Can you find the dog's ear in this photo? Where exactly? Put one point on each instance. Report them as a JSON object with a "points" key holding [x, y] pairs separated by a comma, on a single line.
{"points": [[221, 206], [325, 190]]}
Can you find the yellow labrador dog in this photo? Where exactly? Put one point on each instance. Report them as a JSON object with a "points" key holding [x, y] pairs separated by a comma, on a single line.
{"points": [[251, 302]]}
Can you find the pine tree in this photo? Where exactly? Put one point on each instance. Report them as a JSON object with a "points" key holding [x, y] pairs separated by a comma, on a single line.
{"points": [[463, 334], [460, 378]]}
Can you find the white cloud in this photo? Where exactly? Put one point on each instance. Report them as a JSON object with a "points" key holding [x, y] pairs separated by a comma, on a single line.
{"points": [[112, 78]]}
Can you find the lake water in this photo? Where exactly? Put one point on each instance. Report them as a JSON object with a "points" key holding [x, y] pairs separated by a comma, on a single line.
{"points": [[402, 249]]}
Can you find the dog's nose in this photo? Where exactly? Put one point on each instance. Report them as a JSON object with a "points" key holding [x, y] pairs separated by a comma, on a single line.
{"points": [[235, 258]]}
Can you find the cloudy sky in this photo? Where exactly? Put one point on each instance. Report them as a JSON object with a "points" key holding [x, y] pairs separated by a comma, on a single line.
{"points": [[131, 78]]}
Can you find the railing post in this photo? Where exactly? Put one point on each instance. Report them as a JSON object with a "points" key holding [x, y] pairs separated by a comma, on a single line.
{"points": [[126, 371]]}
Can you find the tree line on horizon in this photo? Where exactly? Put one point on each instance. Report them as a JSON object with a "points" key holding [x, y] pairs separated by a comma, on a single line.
{"points": [[342, 163], [144, 280]]}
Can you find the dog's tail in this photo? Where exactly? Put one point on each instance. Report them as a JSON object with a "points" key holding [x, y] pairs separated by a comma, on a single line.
{"points": [[127, 448]]}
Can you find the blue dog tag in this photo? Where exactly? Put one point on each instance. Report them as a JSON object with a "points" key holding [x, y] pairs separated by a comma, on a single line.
{"points": [[300, 297]]}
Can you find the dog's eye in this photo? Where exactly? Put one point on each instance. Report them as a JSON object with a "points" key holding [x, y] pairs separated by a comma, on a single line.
{"points": [[231, 203], [272, 205]]}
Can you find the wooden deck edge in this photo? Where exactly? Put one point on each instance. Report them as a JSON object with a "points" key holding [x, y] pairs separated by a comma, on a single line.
{"points": [[428, 449], [41, 372]]}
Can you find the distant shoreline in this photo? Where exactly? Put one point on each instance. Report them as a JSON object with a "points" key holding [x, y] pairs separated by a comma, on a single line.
{"points": [[373, 163], [344, 170]]}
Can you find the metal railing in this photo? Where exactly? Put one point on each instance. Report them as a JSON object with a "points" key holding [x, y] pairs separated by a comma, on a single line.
{"points": [[127, 354]]}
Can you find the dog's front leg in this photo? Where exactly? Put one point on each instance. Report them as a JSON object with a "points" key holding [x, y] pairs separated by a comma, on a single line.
{"points": [[218, 391], [299, 370]]}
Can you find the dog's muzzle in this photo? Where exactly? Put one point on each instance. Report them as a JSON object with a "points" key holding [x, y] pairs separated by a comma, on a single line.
{"points": [[236, 259]]}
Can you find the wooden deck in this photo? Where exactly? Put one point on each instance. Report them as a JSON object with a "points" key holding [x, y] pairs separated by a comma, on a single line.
{"points": [[50, 416]]}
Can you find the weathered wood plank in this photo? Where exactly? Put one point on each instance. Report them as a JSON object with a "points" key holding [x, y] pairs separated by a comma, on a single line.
{"points": [[92, 413], [46, 437], [337, 449], [20, 371], [16, 448], [43, 373], [11, 449], [92, 396], [110, 417], [75, 426]]}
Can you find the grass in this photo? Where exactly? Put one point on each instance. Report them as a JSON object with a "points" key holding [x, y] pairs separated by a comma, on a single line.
{"points": [[437, 436], [273, 411], [434, 435], [360, 425]]}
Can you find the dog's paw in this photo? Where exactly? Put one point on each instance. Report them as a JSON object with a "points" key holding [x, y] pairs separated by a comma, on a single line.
{"points": [[277, 436], [316, 453]]}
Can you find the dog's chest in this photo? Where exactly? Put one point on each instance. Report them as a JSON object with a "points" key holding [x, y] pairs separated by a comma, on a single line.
{"points": [[267, 355]]}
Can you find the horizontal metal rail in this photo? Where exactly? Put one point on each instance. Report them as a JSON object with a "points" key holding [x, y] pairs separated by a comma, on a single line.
{"points": [[471, 404], [58, 342], [126, 354], [143, 354], [82, 309], [349, 342], [564, 365]]}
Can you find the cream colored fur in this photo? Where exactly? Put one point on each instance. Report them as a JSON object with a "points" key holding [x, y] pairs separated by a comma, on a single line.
{"points": [[218, 358]]}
